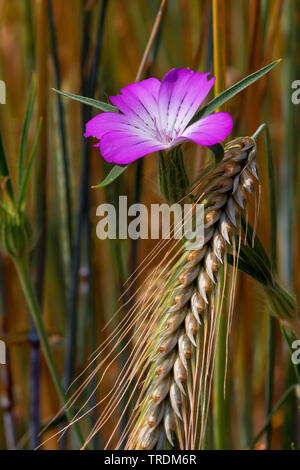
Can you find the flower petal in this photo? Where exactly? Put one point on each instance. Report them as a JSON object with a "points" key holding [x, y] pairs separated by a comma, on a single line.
{"points": [[106, 122], [180, 95], [139, 102], [210, 130], [123, 147]]}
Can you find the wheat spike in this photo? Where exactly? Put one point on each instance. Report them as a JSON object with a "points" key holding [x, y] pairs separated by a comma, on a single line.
{"points": [[166, 406]]}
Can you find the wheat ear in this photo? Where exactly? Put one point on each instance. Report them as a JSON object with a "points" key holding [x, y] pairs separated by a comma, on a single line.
{"points": [[166, 406]]}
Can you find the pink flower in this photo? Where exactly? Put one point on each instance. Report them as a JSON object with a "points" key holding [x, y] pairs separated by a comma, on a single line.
{"points": [[155, 116]]}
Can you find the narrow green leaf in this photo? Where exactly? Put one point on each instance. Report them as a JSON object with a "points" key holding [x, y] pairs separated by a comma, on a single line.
{"points": [[114, 173], [23, 188], [258, 246], [245, 268], [89, 101], [226, 95], [24, 136], [4, 171]]}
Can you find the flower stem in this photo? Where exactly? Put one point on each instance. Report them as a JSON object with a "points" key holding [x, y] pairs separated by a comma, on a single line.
{"points": [[23, 272]]}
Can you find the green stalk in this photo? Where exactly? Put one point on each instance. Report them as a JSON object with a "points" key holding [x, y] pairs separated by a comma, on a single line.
{"points": [[221, 405], [289, 192], [23, 272], [273, 260]]}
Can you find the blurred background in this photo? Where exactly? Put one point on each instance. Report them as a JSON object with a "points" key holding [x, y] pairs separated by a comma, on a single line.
{"points": [[93, 48]]}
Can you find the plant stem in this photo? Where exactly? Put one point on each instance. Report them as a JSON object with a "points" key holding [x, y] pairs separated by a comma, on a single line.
{"points": [[220, 416], [23, 272], [39, 257], [273, 259], [219, 45], [221, 403]]}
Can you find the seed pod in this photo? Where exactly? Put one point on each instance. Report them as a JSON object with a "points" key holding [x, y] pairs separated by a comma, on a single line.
{"points": [[167, 344], [211, 265], [180, 375], [175, 398], [169, 423], [204, 285], [236, 183], [161, 441], [225, 229], [184, 349], [15, 232], [188, 276], [253, 169], [165, 366], [225, 185], [224, 198], [191, 327], [219, 247], [180, 297], [198, 306], [199, 244], [160, 391]]}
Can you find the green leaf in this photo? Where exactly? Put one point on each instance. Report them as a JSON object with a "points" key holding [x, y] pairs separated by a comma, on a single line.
{"points": [[89, 101], [246, 268], [232, 91], [23, 188], [114, 173], [24, 136], [4, 171]]}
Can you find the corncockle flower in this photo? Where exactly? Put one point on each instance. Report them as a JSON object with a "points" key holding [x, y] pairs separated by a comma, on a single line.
{"points": [[155, 116]]}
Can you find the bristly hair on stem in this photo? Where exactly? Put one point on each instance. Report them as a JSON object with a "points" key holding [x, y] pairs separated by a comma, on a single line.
{"points": [[173, 333]]}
